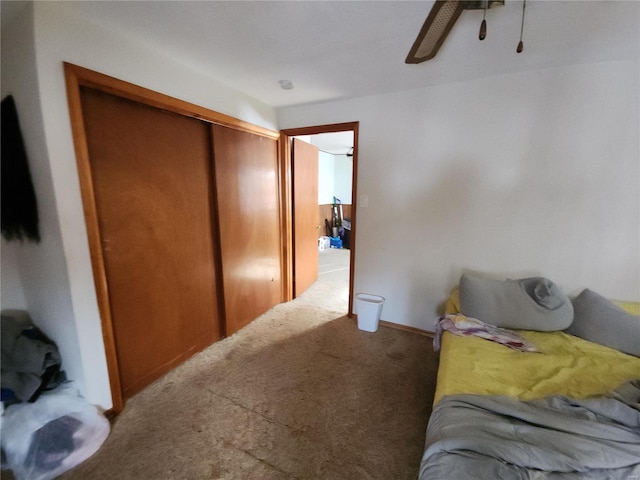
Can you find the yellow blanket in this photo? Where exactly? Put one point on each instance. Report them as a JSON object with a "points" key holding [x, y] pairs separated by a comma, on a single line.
{"points": [[568, 366]]}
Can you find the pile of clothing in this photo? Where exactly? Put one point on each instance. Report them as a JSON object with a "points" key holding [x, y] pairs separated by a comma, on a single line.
{"points": [[47, 427], [31, 362]]}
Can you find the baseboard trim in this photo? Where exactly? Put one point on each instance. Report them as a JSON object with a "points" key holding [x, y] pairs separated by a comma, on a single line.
{"points": [[397, 326], [406, 328]]}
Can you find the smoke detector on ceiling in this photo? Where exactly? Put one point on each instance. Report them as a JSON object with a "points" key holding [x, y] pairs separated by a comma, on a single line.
{"points": [[286, 84]]}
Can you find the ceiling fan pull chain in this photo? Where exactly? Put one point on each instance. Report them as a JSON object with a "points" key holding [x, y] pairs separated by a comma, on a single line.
{"points": [[483, 25], [520, 44]]}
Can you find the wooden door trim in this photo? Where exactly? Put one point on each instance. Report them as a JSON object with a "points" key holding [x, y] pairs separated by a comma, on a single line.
{"points": [[285, 141], [286, 220], [121, 88], [73, 84], [75, 78]]}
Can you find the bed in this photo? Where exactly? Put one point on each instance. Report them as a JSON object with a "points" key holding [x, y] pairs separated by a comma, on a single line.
{"points": [[571, 410]]}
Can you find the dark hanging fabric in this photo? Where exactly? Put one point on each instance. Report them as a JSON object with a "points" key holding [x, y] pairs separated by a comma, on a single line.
{"points": [[19, 206]]}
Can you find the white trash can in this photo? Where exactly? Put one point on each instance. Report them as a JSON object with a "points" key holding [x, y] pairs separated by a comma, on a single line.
{"points": [[368, 308]]}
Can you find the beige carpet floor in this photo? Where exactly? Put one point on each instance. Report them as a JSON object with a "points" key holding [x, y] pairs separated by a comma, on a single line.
{"points": [[300, 393]]}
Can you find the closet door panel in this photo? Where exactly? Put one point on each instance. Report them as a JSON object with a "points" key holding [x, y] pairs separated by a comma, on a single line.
{"points": [[246, 171], [153, 187]]}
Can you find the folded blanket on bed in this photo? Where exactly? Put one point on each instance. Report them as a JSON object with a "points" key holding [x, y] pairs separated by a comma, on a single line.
{"points": [[468, 326], [490, 437]]}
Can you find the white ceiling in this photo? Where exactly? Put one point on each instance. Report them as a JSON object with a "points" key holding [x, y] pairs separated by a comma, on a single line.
{"points": [[338, 143], [341, 49]]}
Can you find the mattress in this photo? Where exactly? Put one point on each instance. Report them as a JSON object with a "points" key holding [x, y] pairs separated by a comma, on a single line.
{"points": [[569, 411]]}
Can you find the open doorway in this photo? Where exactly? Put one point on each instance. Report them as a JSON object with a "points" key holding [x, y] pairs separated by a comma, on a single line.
{"points": [[334, 216]]}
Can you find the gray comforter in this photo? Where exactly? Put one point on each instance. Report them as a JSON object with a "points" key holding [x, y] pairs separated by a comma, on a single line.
{"points": [[494, 437]]}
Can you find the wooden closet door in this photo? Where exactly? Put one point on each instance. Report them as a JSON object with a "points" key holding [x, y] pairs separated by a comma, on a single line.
{"points": [[153, 187], [246, 170]]}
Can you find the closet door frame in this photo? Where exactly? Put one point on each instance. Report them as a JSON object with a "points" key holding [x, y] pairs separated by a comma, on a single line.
{"points": [[77, 77]]}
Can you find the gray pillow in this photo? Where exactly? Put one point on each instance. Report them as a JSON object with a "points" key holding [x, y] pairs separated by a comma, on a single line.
{"points": [[599, 320], [528, 304]]}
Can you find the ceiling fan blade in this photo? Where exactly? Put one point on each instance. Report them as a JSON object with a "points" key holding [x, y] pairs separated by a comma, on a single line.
{"points": [[436, 27]]}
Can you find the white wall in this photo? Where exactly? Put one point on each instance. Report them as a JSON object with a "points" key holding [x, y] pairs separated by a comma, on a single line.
{"points": [[524, 174], [59, 275], [34, 276], [11, 290], [343, 178], [334, 178], [326, 178]]}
